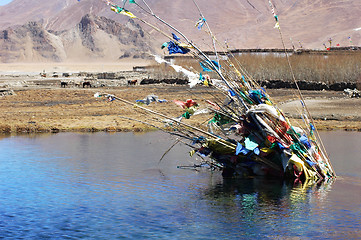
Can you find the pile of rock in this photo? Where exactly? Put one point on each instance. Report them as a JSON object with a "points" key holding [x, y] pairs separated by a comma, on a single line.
{"points": [[352, 93]]}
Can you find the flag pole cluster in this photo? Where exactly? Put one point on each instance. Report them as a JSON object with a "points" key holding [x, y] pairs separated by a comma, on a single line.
{"points": [[247, 134]]}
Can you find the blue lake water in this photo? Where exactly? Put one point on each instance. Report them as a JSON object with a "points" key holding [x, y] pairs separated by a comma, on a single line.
{"points": [[112, 186]]}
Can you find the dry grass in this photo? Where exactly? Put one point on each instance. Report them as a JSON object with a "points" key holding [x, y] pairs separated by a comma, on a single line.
{"points": [[71, 109], [322, 68], [310, 67]]}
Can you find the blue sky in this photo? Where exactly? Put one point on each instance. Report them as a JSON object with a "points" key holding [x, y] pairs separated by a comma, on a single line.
{"points": [[3, 2]]}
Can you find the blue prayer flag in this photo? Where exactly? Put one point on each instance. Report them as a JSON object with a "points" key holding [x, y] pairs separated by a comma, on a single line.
{"points": [[174, 48], [175, 37], [239, 148]]}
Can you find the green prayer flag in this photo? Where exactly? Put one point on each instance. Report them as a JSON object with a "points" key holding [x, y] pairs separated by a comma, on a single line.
{"points": [[164, 45], [220, 119], [250, 144], [246, 98], [186, 115]]}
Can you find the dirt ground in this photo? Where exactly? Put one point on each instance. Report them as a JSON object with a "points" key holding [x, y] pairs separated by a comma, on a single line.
{"points": [[54, 109]]}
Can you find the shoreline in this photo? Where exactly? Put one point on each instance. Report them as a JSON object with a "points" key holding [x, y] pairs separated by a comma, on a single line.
{"points": [[27, 129]]}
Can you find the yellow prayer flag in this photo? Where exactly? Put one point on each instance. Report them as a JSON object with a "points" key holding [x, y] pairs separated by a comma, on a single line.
{"points": [[127, 13], [191, 153], [123, 11], [183, 45]]}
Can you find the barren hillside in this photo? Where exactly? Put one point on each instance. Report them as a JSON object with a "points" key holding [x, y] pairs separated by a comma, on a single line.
{"points": [[243, 23], [92, 39]]}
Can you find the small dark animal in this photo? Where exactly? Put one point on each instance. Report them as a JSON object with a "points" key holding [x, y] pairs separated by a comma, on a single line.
{"points": [[63, 84], [87, 84], [132, 82]]}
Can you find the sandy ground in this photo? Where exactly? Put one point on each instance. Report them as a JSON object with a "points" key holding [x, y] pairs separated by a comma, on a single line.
{"points": [[330, 110], [31, 68], [76, 109]]}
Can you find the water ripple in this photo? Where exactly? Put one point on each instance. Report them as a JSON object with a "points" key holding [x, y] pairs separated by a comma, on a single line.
{"points": [[100, 186]]}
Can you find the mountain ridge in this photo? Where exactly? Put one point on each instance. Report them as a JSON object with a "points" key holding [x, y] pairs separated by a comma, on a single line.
{"points": [[242, 23], [93, 38]]}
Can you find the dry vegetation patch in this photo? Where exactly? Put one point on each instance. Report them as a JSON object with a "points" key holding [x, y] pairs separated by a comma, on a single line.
{"points": [[53, 110]]}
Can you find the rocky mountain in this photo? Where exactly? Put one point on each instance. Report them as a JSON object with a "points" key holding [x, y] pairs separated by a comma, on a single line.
{"points": [[54, 15], [243, 23], [93, 38]]}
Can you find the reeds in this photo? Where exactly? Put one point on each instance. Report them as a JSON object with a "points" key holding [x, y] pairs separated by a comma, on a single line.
{"points": [[331, 68]]}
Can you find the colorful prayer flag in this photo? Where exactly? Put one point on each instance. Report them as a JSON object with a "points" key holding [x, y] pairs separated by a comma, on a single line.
{"points": [[200, 23], [123, 11]]}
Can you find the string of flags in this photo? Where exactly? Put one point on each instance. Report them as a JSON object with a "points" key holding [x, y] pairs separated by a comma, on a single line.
{"points": [[277, 25], [330, 41]]}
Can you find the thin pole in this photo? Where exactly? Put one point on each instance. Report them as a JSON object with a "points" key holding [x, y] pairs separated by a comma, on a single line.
{"points": [[209, 61], [210, 32], [165, 153], [299, 91], [169, 118]]}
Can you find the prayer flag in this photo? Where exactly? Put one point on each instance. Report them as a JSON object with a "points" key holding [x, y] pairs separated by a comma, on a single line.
{"points": [[175, 37]]}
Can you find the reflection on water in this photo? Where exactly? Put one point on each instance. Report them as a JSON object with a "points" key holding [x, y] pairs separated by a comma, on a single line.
{"points": [[270, 207], [108, 186], [344, 149]]}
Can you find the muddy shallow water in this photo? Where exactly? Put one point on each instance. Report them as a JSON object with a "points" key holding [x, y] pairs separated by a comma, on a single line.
{"points": [[112, 186]]}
